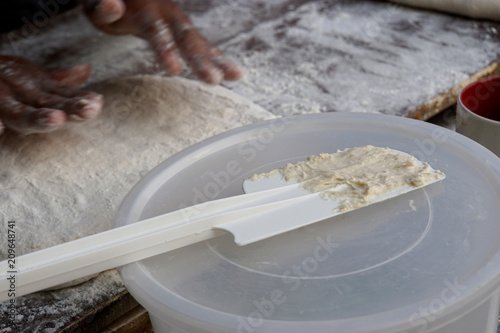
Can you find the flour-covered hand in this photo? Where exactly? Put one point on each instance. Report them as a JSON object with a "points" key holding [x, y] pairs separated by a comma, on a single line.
{"points": [[170, 33], [35, 100]]}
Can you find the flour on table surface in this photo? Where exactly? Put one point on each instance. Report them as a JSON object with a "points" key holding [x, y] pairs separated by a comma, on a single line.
{"points": [[301, 57], [68, 184], [52, 311]]}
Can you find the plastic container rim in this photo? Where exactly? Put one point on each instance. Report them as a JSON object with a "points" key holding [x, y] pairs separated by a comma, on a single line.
{"points": [[473, 297]]}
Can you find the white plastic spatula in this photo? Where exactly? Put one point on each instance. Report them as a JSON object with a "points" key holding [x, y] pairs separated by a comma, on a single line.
{"points": [[270, 207]]}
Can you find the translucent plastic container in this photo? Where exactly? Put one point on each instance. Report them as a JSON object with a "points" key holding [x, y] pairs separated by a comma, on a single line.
{"points": [[426, 261]]}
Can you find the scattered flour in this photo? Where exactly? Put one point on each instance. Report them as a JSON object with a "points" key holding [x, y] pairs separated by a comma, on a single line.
{"points": [[68, 184], [332, 54], [340, 53]]}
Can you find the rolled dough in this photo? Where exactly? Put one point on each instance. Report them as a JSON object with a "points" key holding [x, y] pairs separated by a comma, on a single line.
{"points": [[67, 184], [478, 9]]}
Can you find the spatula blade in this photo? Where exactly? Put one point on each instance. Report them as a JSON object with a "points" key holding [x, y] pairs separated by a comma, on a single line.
{"points": [[302, 211], [262, 184], [306, 210]]}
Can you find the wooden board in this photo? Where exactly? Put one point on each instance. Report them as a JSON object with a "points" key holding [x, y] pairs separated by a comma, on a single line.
{"points": [[305, 56], [358, 56]]}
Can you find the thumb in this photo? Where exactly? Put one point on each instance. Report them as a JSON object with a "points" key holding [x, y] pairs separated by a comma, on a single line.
{"points": [[102, 12]]}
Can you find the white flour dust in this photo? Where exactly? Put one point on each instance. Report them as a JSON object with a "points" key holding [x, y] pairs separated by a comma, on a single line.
{"points": [[68, 184]]}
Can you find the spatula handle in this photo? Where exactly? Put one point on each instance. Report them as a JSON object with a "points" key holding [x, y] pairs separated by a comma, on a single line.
{"points": [[116, 247]]}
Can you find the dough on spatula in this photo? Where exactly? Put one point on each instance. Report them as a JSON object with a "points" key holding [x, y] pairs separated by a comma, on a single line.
{"points": [[64, 185]]}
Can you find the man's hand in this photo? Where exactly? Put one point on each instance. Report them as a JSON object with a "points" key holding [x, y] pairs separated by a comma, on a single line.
{"points": [[170, 33], [36, 100]]}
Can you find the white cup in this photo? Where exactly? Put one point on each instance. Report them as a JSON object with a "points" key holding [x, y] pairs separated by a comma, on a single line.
{"points": [[478, 113]]}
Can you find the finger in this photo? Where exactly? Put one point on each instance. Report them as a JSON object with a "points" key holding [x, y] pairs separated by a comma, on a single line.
{"points": [[72, 77], [197, 51], [88, 105], [206, 70], [231, 70], [208, 63], [158, 34], [83, 105], [102, 12], [64, 82], [16, 93], [26, 119]]}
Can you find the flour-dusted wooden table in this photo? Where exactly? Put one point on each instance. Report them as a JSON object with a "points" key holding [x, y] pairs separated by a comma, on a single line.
{"points": [[361, 56], [300, 57]]}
